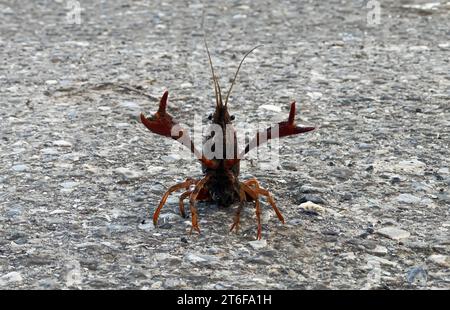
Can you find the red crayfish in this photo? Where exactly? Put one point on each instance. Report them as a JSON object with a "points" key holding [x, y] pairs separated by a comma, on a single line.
{"points": [[220, 182]]}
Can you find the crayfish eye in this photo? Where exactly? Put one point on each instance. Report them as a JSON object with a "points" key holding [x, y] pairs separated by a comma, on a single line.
{"points": [[232, 117], [210, 116]]}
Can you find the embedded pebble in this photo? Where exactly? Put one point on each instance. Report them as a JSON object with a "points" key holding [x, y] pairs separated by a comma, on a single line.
{"points": [[412, 166], [130, 105], [314, 95], [440, 260], [147, 226], [312, 207], [201, 259], [50, 151], [393, 233], [444, 170], [383, 261], [408, 199], [69, 185], [128, 173], [13, 277], [312, 198], [20, 168], [310, 189], [270, 107], [62, 143], [186, 85], [258, 244], [379, 249]]}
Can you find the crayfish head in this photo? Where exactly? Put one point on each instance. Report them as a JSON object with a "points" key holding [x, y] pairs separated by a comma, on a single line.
{"points": [[221, 115]]}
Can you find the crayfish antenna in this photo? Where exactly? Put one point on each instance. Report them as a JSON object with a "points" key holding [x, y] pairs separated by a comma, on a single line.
{"points": [[237, 71], [212, 69]]}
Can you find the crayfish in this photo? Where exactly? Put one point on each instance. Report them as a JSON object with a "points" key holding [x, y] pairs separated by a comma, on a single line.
{"points": [[220, 182]]}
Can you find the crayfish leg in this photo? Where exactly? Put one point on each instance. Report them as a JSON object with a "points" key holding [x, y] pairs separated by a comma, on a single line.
{"points": [[258, 190], [203, 195], [244, 191], [181, 204], [182, 185], [192, 200], [265, 192]]}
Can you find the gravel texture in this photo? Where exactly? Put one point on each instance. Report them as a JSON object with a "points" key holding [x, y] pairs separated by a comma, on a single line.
{"points": [[365, 196]]}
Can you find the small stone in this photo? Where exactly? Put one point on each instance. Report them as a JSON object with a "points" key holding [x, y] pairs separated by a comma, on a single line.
{"points": [[314, 95], [365, 146], [47, 284], [62, 143], [443, 170], [186, 85], [310, 189], [331, 231], [379, 249], [157, 285], [239, 16], [13, 212], [122, 125], [418, 245], [170, 158], [12, 277], [412, 166], [341, 173], [116, 228], [418, 48], [430, 6], [312, 207], [346, 197], [444, 198], [20, 168], [129, 105], [258, 244], [104, 108], [350, 77], [166, 257], [408, 199], [51, 82], [146, 226], [395, 179], [200, 259], [440, 260], [312, 198], [173, 283], [69, 185], [369, 168], [383, 261], [393, 233], [165, 226], [270, 107], [348, 256], [49, 151], [127, 173], [6, 10]]}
